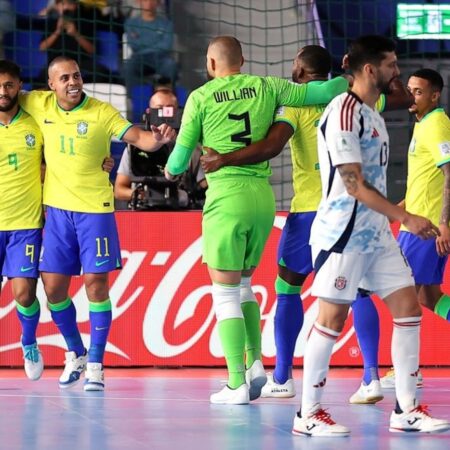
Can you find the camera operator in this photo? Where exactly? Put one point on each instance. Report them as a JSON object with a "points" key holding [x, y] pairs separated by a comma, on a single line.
{"points": [[131, 187]]}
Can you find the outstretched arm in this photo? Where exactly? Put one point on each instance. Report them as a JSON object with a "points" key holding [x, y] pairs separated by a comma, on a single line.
{"points": [[263, 150], [365, 193]]}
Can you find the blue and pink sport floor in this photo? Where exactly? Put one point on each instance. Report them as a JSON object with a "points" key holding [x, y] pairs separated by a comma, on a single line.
{"points": [[158, 409]]}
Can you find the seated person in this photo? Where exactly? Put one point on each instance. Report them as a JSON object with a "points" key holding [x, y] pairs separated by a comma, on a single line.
{"points": [[140, 182], [151, 39]]}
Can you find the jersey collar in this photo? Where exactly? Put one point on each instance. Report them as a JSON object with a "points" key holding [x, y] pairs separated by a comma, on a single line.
{"points": [[435, 110], [15, 118], [84, 99]]}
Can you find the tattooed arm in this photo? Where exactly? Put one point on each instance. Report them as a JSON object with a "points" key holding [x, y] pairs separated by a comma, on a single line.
{"points": [[443, 241], [365, 193]]}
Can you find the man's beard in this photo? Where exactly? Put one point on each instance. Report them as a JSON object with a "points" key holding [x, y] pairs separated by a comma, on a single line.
{"points": [[385, 86], [12, 103]]}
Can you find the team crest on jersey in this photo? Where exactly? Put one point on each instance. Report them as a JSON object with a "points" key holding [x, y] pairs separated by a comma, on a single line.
{"points": [[340, 283], [82, 128], [445, 148], [30, 140]]}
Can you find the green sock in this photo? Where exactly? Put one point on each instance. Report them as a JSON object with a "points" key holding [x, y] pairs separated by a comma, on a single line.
{"points": [[232, 337], [442, 307], [252, 319]]}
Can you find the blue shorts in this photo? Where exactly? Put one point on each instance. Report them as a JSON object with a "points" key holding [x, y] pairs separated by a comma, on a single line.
{"points": [[19, 253], [74, 240], [427, 266], [294, 249]]}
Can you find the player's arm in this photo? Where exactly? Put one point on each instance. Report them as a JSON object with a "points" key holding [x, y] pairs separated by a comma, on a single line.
{"points": [[292, 94], [367, 194], [122, 187], [269, 147], [150, 141], [443, 241]]}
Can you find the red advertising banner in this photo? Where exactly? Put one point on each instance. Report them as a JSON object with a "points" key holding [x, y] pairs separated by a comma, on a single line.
{"points": [[162, 306]]}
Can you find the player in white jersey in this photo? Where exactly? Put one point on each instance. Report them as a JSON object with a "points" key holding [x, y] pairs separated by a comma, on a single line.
{"points": [[353, 247]]}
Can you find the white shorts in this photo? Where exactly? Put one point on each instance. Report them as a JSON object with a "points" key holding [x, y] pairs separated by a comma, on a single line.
{"points": [[339, 277]]}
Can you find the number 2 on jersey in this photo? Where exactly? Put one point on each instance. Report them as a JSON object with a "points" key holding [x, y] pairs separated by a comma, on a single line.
{"points": [[243, 137]]}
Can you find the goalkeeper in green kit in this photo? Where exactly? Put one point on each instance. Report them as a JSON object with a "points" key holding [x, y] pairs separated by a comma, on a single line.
{"points": [[229, 112]]}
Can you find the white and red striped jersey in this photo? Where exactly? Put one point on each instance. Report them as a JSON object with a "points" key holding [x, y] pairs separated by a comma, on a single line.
{"points": [[350, 132]]}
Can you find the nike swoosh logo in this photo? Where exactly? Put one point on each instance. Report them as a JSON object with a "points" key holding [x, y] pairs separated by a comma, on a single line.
{"points": [[26, 269], [101, 263], [48, 121], [101, 328]]}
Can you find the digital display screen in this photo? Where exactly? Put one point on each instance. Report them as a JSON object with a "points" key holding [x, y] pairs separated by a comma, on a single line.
{"points": [[423, 21]]}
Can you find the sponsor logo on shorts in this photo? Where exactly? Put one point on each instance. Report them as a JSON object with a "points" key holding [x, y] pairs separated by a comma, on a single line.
{"points": [[101, 263], [340, 283], [26, 269]]}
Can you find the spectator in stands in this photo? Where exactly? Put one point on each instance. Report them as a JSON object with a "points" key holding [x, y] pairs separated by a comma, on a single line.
{"points": [[151, 39], [69, 30], [192, 184], [7, 21]]}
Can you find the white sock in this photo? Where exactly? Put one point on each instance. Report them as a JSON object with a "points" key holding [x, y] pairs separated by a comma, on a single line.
{"points": [[315, 366], [405, 358], [226, 300]]}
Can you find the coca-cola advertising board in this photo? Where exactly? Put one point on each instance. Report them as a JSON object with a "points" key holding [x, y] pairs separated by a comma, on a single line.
{"points": [[162, 306]]}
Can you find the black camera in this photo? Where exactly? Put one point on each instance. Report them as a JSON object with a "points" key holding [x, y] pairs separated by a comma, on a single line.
{"points": [[166, 114]]}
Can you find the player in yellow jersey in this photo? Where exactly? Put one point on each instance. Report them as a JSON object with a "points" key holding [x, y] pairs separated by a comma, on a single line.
{"points": [[21, 146], [428, 193], [80, 230]]}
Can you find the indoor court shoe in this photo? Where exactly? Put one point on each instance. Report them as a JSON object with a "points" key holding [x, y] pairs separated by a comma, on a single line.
{"points": [[228, 396], [94, 378], [274, 390], [388, 381], [33, 362], [74, 367], [417, 420], [367, 394], [256, 378], [318, 424]]}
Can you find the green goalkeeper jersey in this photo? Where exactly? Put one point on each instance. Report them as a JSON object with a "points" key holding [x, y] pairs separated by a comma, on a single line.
{"points": [[231, 112]]}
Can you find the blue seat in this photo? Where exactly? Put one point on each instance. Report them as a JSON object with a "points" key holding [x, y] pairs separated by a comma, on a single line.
{"points": [[108, 49], [29, 7], [140, 95], [182, 95], [22, 47]]}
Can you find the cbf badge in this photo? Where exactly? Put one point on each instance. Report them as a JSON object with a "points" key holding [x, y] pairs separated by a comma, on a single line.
{"points": [[82, 128], [30, 140], [340, 283]]}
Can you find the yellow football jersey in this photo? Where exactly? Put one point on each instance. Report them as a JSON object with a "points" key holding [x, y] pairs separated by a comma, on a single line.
{"points": [[20, 174], [76, 143], [428, 150]]}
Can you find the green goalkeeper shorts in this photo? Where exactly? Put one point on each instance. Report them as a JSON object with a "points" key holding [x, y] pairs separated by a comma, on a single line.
{"points": [[237, 219]]}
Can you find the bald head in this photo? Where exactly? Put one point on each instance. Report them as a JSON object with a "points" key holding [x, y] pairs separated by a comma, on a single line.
{"points": [[163, 98], [57, 61], [224, 56]]}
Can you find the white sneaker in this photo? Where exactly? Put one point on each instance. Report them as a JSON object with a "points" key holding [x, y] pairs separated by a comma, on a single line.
{"points": [[274, 390], [255, 378], [94, 377], [228, 396], [367, 394], [388, 381], [74, 367], [33, 361], [418, 420], [319, 424]]}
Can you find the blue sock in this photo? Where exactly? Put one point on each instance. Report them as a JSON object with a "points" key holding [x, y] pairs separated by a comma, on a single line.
{"points": [[29, 319], [288, 323], [367, 326], [100, 316], [64, 315]]}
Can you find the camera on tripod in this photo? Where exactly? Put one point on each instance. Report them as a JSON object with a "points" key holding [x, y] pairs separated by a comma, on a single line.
{"points": [[151, 190]]}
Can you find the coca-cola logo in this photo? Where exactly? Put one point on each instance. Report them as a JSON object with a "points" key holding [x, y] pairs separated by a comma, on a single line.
{"points": [[162, 306]]}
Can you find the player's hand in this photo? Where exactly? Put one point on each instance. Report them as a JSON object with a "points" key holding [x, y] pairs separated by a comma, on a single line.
{"points": [[70, 28], [443, 241], [420, 226], [164, 133], [108, 164], [211, 160], [169, 176]]}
